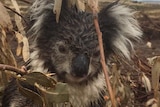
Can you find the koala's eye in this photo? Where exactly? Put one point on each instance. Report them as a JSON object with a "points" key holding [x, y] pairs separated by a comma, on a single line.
{"points": [[96, 54], [62, 49]]}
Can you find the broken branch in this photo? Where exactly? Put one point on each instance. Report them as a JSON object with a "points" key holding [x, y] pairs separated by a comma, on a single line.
{"points": [[11, 68], [100, 40]]}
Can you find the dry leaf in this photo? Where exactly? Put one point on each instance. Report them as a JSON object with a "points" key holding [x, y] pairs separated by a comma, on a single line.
{"points": [[5, 20], [39, 78], [156, 74], [150, 102], [19, 24], [25, 51], [49, 91], [80, 4], [93, 4], [15, 4], [151, 61], [3, 37], [155, 63], [20, 40], [149, 44], [18, 19], [154, 105], [21, 36], [6, 55], [57, 9], [146, 82]]}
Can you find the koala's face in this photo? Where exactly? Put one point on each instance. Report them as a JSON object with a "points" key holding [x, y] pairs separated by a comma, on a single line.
{"points": [[75, 63], [70, 46]]}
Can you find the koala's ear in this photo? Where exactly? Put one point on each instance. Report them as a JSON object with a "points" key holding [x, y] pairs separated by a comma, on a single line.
{"points": [[119, 29]]}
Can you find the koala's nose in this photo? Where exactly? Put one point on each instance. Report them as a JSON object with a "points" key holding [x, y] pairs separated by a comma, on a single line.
{"points": [[80, 65]]}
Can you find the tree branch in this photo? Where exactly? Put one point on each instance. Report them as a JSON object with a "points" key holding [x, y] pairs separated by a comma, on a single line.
{"points": [[11, 68], [100, 40]]}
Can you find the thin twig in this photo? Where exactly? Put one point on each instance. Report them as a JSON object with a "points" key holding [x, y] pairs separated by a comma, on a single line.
{"points": [[16, 13], [99, 34], [11, 68]]}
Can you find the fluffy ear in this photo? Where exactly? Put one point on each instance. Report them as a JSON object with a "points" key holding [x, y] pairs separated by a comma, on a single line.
{"points": [[119, 29]]}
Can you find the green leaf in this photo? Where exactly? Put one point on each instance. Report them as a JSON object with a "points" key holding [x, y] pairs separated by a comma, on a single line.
{"points": [[58, 95], [43, 89], [39, 78]]}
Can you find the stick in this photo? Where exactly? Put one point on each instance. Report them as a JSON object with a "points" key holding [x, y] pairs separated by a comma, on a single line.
{"points": [[100, 40], [11, 68]]}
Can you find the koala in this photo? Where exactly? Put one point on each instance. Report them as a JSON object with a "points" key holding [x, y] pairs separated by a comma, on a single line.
{"points": [[70, 49]]}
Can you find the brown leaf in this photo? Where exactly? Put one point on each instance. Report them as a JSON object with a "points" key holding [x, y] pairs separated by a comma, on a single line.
{"points": [[80, 5], [21, 36], [151, 102], [6, 55], [49, 91], [155, 63], [18, 19], [3, 38], [25, 50], [93, 4], [146, 82], [5, 20], [15, 4], [39, 78], [57, 9], [19, 39], [19, 24]]}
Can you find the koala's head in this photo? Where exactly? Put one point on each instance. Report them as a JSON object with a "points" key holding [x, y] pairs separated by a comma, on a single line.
{"points": [[70, 47], [76, 60], [74, 50]]}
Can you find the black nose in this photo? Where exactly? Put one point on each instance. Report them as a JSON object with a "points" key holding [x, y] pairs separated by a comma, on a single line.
{"points": [[80, 65]]}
